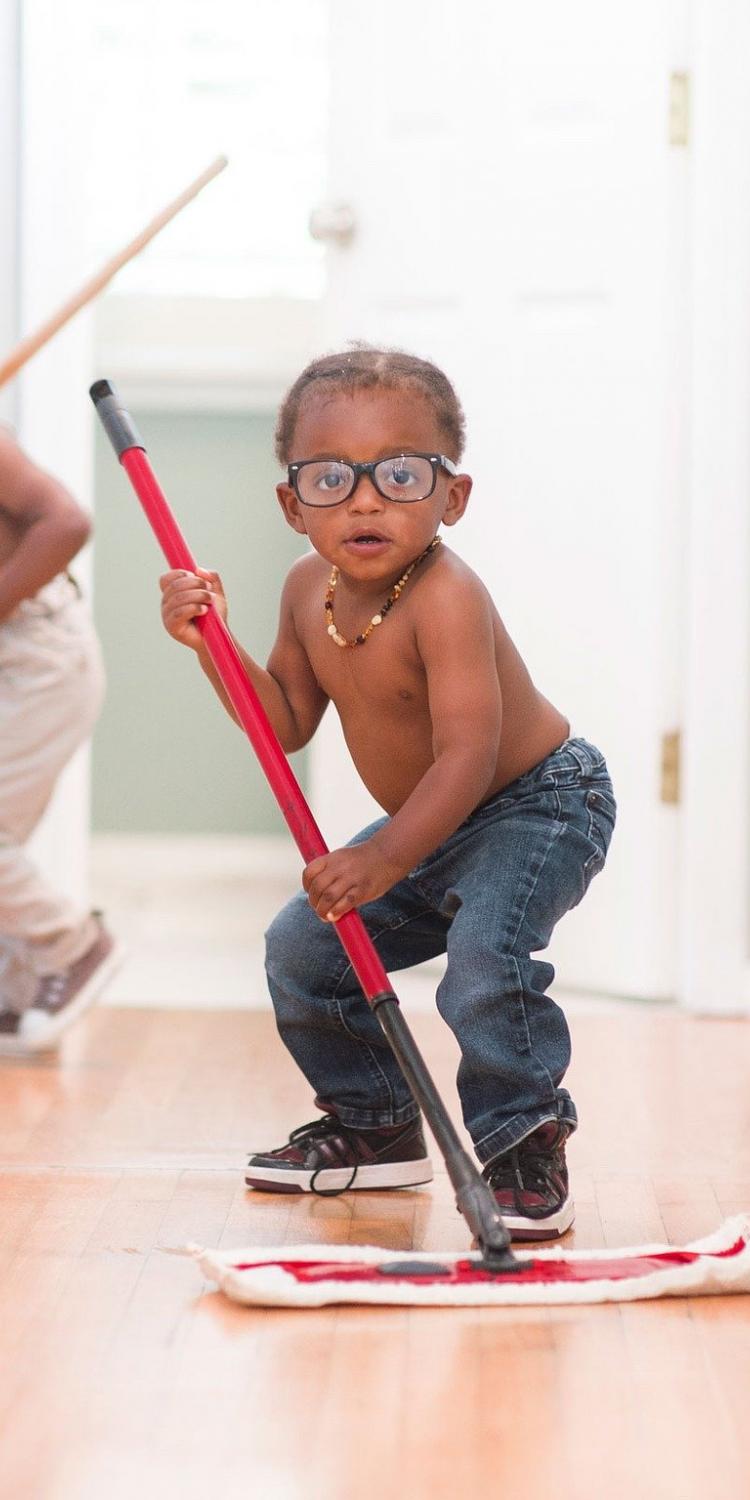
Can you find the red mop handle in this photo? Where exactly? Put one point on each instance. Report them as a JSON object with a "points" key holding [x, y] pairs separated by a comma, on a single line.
{"points": [[247, 705]]}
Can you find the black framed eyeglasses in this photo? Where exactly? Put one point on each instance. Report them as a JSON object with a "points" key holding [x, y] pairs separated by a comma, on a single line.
{"points": [[406, 477]]}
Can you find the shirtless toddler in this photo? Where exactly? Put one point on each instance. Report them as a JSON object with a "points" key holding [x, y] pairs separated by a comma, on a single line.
{"points": [[496, 821]]}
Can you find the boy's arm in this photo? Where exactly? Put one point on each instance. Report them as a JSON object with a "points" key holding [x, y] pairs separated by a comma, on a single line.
{"points": [[48, 524], [287, 687], [289, 692], [455, 638]]}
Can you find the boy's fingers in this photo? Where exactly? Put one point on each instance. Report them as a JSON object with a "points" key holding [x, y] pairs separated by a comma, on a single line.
{"points": [[316, 885], [189, 581], [341, 907], [187, 595], [312, 871], [316, 895], [334, 900], [168, 578], [177, 598], [185, 612], [211, 577], [178, 578], [323, 890]]}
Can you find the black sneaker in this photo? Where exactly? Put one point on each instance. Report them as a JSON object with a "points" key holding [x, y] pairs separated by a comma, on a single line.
{"points": [[328, 1157], [62, 997], [530, 1183]]}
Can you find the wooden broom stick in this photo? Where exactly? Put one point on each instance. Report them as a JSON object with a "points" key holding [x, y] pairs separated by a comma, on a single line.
{"points": [[91, 288]]}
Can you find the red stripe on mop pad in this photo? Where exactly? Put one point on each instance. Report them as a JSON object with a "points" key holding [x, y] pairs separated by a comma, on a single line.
{"points": [[305, 1277]]}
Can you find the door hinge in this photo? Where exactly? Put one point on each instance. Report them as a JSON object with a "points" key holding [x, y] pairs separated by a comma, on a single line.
{"points": [[679, 109], [670, 767]]}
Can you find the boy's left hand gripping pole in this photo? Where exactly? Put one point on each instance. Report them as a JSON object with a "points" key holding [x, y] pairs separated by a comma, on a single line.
{"points": [[130, 449]]}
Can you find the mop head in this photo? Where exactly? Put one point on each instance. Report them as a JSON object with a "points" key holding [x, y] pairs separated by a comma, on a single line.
{"points": [[316, 1275]]}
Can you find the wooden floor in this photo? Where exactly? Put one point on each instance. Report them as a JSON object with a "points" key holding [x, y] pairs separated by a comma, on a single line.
{"points": [[123, 1376]]}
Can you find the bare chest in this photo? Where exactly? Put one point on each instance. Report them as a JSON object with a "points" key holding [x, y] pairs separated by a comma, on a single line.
{"points": [[384, 674]]}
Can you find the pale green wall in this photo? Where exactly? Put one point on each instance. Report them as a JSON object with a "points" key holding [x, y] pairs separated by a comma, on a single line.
{"points": [[167, 758]]}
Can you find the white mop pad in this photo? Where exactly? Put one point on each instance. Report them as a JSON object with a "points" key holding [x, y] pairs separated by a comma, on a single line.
{"points": [[315, 1275]]}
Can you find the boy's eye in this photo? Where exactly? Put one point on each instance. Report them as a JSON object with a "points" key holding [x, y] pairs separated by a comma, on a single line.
{"points": [[331, 478], [399, 473]]}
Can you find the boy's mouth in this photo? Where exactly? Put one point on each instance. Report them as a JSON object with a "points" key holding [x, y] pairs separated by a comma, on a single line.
{"points": [[366, 539]]}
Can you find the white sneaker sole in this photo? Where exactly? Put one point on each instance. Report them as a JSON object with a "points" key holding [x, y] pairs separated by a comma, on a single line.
{"points": [[395, 1174], [549, 1228], [40, 1032]]}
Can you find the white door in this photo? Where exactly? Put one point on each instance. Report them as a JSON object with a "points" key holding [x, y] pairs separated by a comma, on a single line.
{"points": [[520, 216]]}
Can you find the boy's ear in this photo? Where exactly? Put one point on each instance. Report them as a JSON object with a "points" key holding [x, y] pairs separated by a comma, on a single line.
{"points": [[457, 498], [291, 508]]}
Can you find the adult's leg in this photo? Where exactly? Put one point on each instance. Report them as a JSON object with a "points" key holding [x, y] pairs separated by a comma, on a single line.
{"points": [[51, 685]]}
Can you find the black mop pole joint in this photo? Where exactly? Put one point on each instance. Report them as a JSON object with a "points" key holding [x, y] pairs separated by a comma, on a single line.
{"points": [[383, 998], [116, 421]]}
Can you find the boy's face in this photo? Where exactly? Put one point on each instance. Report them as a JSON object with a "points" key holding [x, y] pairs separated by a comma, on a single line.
{"points": [[367, 536]]}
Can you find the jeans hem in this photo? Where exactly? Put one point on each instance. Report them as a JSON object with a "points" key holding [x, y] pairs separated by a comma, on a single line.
{"points": [[505, 1137], [370, 1119]]}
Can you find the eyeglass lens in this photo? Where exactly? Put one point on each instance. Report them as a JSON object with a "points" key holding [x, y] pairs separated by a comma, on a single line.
{"points": [[328, 481]]}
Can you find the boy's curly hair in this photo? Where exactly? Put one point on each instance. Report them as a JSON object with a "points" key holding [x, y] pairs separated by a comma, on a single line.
{"points": [[362, 367]]}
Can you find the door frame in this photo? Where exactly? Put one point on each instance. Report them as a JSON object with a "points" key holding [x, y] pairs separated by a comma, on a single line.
{"points": [[714, 896]]}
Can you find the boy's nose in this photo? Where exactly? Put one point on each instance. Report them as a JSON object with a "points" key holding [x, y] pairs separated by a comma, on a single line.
{"points": [[366, 497]]}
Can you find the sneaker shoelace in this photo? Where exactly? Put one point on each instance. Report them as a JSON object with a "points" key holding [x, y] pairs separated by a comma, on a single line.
{"points": [[318, 1130], [525, 1169]]}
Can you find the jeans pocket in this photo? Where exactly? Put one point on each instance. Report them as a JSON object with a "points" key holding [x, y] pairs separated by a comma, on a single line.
{"points": [[602, 812], [588, 812]]}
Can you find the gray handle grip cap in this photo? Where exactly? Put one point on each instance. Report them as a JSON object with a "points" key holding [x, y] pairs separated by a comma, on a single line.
{"points": [[116, 421]]}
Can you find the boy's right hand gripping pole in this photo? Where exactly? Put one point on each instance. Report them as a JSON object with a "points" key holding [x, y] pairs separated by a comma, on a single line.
{"points": [[473, 1196]]}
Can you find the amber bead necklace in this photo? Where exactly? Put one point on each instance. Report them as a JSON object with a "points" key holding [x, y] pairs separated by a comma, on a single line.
{"points": [[359, 640]]}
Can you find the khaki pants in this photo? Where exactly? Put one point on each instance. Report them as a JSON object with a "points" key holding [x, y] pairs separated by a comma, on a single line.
{"points": [[51, 689]]}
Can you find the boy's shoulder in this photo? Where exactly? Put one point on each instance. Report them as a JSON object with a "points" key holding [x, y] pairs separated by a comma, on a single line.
{"points": [[304, 572], [452, 577], [450, 603], [307, 576]]}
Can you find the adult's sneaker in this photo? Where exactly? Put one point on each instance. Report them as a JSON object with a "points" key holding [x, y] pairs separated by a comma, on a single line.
{"points": [[327, 1157], [530, 1183], [9, 1024], [63, 996]]}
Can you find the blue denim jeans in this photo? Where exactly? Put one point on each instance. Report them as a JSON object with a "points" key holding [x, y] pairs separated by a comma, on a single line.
{"points": [[490, 897]]}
